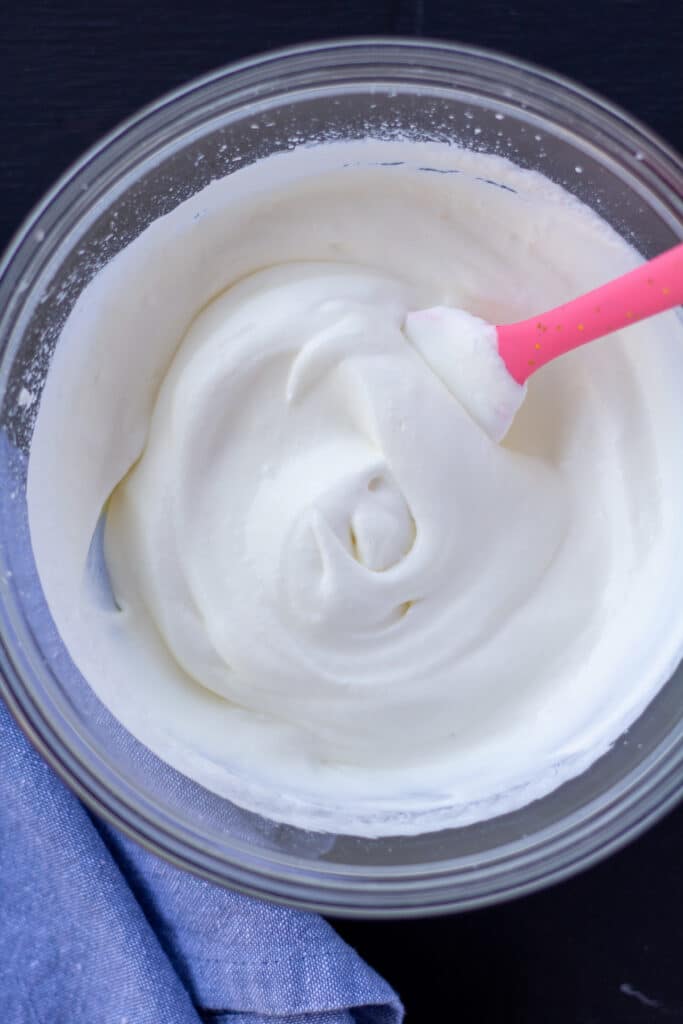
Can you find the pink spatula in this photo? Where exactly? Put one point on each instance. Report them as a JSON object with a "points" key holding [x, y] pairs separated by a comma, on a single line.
{"points": [[652, 288]]}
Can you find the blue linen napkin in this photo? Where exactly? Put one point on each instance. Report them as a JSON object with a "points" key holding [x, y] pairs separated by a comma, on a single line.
{"points": [[95, 930]]}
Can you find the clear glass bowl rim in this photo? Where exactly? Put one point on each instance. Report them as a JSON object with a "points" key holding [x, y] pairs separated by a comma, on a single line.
{"points": [[456, 884]]}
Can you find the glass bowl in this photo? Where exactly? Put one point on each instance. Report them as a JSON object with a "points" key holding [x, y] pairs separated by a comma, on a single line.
{"points": [[427, 91]]}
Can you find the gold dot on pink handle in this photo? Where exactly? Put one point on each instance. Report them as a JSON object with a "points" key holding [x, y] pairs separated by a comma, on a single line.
{"points": [[665, 291], [580, 327], [537, 345], [532, 362], [629, 314]]}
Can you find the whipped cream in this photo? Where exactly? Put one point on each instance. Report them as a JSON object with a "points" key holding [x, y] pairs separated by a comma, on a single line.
{"points": [[314, 527], [338, 599]]}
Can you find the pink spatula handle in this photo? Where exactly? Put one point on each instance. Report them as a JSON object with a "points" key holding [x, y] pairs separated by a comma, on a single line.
{"points": [[650, 289]]}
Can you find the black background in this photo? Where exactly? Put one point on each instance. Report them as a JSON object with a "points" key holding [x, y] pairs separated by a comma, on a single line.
{"points": [[606, 946]]}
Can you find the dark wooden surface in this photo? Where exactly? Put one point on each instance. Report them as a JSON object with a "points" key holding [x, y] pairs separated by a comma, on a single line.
{"points": [[606, 946]]}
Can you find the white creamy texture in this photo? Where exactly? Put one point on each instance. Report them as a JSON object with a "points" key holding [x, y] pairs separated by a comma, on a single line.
{"points": [[462, 350], [342, 603], [314, 525]]}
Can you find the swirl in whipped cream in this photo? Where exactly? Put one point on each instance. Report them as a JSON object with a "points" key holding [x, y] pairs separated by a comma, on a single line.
{"points": [[315, 524]]}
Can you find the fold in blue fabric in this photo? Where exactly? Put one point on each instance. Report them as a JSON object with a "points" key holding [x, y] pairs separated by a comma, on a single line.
{"points": [[95, 929]]}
